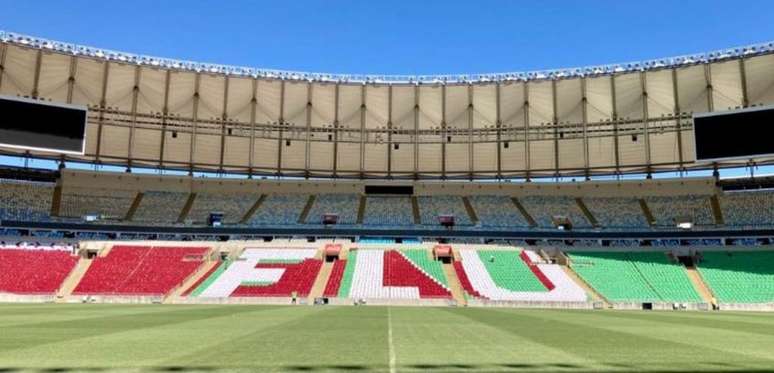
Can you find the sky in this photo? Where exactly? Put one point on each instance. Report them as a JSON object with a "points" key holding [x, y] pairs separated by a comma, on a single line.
{"points": [[398, 37]]}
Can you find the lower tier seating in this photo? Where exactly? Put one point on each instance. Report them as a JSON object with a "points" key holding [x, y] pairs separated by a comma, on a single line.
{"points": [[739, 277], [334, 281], [27, 271], [140, 270], [635, 276], [266, 273], [506, 275], [388, 274], [465, 282]]}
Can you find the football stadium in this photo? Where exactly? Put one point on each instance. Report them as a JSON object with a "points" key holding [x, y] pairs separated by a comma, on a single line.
{"points": [[159, 214]]}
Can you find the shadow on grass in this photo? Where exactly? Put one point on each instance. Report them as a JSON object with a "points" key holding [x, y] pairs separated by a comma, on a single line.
{"points": [[705, 367]]}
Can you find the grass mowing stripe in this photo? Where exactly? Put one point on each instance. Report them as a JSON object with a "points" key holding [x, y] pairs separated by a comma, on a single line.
{"points": [[29, 335], [733, 326], [592, 339], [729, 346], [329, 338], [390, 343]]}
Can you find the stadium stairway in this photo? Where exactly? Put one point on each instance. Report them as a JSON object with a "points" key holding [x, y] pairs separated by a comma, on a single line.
{"points": [[470, 210], [454, 284], [195, 278], [530, 220], [133, 208], [249, 214], [587, 213], [72, 280], [646, 211], [717, 212], [318, 288], [700, 286], [186, 208]]}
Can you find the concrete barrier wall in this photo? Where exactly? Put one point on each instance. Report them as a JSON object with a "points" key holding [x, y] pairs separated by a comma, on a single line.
{"points": [[23, 298], [754, 307], [526, 304]]}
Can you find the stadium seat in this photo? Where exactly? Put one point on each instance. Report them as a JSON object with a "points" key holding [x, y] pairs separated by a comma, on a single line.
{"points": [[34, 271]]}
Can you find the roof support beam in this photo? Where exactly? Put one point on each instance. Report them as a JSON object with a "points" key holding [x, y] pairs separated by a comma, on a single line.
{"points": [[677, 114], [585, 119], [223, 123], [710, 90], [253, 111], [363, 93], [526, 133], [555, 123], [281, 123], [164, 116], [743, 80], [498, 126], [389, 131], [416, 132], [73, 69], [645, 118], [336, 131], [102, 107], [471, 113], [444, 134], [3, 53], [308, 125], [133, 123], [194, 123], [615, 125], [36, 78]]}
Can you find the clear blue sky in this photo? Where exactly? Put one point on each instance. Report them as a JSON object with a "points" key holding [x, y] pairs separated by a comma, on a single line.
{"points": [[408, 37]]}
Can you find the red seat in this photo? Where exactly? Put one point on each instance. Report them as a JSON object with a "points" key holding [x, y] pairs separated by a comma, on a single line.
{"points": [[297, 278], [464, 281], [398, 271], [140, 270], [24, 271], [334, 281]]}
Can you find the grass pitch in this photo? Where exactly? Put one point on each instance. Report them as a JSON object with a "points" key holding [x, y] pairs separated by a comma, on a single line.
{"points": [[123, 338]]}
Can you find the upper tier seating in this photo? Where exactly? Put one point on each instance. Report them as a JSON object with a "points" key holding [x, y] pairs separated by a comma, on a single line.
{"points": [[388, 211], [666, 209], [740, 276], [431, 207], [233, 206], [266, 273], [280, 209], [140, 270], [31, 271], [617, 212], [497, 211], [508, 275], [25, 200], [343, 205], [160, 207], [108, 203], [748, 208], [635, 276], [544, 208]]}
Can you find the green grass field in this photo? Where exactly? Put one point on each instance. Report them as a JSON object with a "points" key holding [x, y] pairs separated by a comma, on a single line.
{"points": [[118, 338]]}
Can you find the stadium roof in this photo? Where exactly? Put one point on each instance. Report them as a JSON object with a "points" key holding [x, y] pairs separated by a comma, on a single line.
{"points": [[157, 112]]}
